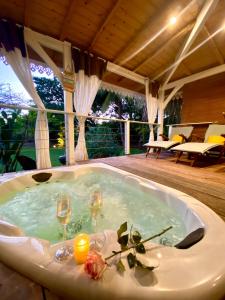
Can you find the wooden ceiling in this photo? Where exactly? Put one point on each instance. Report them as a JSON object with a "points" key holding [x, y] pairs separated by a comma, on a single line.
{"points": [[117, 29]]}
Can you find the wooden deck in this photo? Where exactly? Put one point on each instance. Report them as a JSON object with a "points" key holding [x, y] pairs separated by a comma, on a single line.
{"points": [[205, 182]]}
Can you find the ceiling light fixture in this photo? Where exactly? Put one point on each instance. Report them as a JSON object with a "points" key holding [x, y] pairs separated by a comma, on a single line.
{"points": [[172, 20]]}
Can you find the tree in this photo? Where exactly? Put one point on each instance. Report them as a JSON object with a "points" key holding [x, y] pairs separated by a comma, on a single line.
{"points": [[12, 139], [102, 141], [172, 113], [7, 96], [114, 105], [50, 92]]}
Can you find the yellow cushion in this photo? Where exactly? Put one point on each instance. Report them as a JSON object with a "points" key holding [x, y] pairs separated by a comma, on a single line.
{"points": [[177, 138], [216, 139]]}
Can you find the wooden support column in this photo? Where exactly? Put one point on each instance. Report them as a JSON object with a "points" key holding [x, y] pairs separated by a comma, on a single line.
{"points": [[160, 113], [147, 95], [127, 137], [68, 108]]}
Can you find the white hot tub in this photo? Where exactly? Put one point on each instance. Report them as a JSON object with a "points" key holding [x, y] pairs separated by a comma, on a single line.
{"points": [[28, 238]]}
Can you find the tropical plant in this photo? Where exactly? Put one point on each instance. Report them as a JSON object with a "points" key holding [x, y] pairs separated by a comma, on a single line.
{"points": [[114, 105], [10, 142], [51, 93], [172, 114]]}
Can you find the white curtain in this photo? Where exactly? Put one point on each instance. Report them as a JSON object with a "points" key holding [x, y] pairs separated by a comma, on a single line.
{"points": [[21, 67], [152, 108], [86, 88]]}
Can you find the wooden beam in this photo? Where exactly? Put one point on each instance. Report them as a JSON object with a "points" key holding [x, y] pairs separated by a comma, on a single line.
{"points": [[67, 19], [36, 46], [163, 46], [27, 12], [201, 19], [111, 67], [121, 90], [109, 16], [173, 93], [57, 45], [188, 54], [136, 43], [48, 41], [197, 76], [214, 47]]}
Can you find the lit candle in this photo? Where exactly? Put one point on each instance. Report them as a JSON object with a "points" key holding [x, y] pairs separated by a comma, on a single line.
{"points": [[81, 248]]}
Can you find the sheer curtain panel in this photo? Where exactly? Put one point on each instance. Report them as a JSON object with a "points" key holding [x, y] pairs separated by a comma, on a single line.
{"points": [[89, 71], [13, 47], [152, 107]]}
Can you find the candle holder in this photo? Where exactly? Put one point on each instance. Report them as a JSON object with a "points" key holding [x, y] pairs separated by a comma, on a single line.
{"points": [[97, 241], [81, 248]]}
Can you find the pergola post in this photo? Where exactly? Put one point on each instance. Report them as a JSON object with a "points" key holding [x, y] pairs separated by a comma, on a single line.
{"points": [[160, 112], [68, 108], [127, 137]]}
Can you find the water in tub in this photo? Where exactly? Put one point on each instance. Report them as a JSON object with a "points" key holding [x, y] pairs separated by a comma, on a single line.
{"points": [[99, 201]]}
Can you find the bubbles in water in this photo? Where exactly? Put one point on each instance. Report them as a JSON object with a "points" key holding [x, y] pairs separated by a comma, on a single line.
{"points": [[34, 209]]}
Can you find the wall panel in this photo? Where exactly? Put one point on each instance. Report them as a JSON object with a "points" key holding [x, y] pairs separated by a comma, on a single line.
{"points": [[204, 100]]}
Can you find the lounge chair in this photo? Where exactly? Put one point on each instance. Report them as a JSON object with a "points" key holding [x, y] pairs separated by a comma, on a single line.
{"points": [[178, 135], [214, 142]]}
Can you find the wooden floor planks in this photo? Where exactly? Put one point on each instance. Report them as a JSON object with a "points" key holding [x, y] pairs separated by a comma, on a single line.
{"points": [[207, 184]]}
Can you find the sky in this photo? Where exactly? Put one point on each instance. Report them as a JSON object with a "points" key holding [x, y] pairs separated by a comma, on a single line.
{"points": [[7, 75]]}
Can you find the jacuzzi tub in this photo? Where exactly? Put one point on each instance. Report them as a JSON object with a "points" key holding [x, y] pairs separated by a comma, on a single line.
{"points": [[194, 273]]}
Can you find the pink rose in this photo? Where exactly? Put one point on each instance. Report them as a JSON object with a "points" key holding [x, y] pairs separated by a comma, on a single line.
{"points": [[94, 265]]}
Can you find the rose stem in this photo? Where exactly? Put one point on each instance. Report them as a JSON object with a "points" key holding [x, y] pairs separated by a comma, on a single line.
{"points": [[144, 241]]}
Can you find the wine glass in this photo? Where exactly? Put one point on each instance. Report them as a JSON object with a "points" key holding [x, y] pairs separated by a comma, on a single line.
{"points": [[63, 215], [96, 204]]}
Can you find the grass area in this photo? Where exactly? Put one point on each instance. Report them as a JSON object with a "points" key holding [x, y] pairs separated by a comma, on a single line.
{"points": [[54, 154], [30, 152], [137, 151]]}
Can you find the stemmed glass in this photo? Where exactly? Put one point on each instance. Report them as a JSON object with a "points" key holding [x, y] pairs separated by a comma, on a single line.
{"points": [[96, 205], [63, 214]]}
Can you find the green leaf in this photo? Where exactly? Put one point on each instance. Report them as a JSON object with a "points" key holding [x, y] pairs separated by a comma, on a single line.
{"points": [[141, 265], [131, 259], [136, 237], [140, 248], [123, 240], [120, 267], [122, 229]]}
